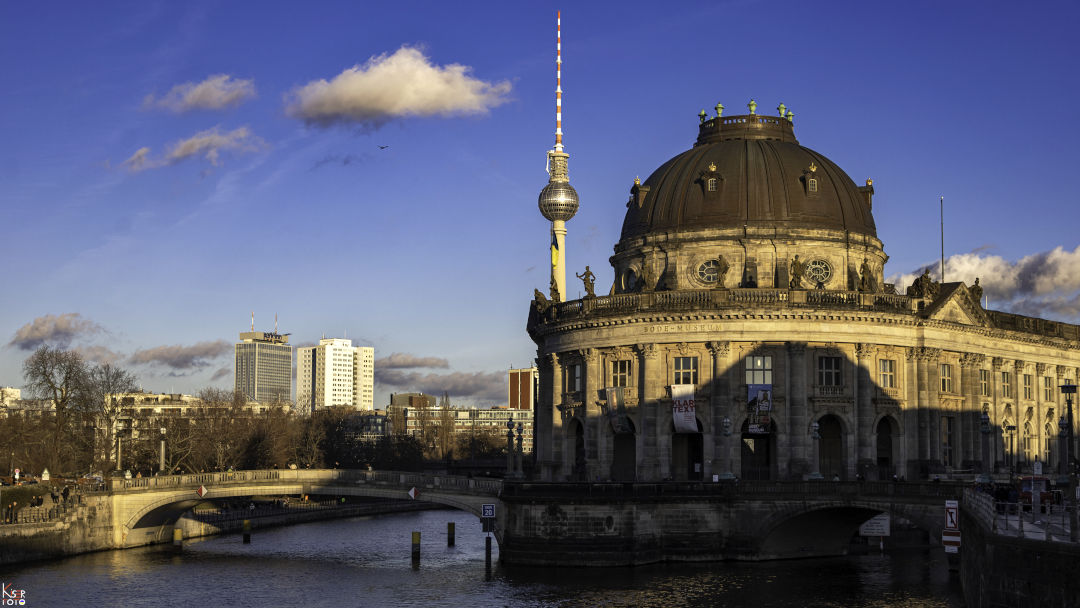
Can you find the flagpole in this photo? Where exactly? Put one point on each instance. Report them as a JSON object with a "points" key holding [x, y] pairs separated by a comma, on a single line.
{"points": [[942, 215]]}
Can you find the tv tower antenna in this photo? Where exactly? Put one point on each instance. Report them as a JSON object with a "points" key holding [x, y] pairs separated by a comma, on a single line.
{"points": [[558, 200], [253, 320]]}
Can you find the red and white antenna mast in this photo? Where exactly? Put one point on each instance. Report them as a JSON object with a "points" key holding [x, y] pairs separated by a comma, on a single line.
{"points": [[558, 81]]}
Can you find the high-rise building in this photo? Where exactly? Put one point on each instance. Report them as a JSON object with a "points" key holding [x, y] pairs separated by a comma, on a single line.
{"points": [[264, 366], [521, 391], [335, 373]]}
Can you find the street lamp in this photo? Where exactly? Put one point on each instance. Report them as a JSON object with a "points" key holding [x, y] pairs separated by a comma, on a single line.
{"points": [[815, 435], [161, 462], [1069, 389], [510, 447], [984, 428]]}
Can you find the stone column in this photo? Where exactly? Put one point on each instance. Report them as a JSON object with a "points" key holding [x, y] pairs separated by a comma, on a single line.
{"points": [[1020, 457], [550, 435], [911, 414], [1040, 417], [799, 463], [933, 393], [650, 387], [721, 409], [864, 411], [970, 364], [589, 410], [997, 415]]}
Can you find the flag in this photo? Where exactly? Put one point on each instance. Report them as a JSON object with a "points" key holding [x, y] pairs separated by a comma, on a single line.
{"points": [[554, 250]]}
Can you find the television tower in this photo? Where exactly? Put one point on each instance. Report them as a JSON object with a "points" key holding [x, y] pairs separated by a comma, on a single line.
{"points": [[558, 200]]}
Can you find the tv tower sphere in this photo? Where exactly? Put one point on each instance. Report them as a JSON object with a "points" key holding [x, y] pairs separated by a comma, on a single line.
{"points": [[558, 201]]}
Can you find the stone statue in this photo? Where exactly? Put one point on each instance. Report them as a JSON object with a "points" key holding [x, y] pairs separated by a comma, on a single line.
{"points": [[589, 279], [797, 270], [977, 291], [924, 286], [867, 282], [540, 301], [721, 271], [554, 291]]}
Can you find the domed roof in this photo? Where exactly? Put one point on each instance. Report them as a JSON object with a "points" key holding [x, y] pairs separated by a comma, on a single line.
{"points": [[748, 170]]}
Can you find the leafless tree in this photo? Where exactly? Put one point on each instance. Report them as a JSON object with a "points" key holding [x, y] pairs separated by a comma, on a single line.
{"points": [[105, 384], [60, 377]]}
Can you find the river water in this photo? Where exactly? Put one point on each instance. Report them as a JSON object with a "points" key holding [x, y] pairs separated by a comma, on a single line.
{"points": [[366, 561]]}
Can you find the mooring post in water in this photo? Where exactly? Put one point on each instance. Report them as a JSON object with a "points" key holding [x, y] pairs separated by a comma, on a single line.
{"points": [[415, 547], [487, 556], [449, 534], [178, 538], [247, 531]]}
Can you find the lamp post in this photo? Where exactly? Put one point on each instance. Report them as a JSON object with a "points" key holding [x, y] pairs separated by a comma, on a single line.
{"points": [[984, 429], [161, 461], [520, 451], [1069, 389], [815, 435], [510, 448]]}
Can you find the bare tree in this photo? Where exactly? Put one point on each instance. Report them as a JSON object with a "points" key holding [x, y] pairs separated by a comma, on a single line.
{"points": [[59, 376], [105, 385]]}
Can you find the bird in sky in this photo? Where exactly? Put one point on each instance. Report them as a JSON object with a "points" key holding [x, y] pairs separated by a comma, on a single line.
{"points": [[383, 147]]}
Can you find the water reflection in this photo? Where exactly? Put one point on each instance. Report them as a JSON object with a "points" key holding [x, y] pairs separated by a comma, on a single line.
{"points": [[366, 562]]}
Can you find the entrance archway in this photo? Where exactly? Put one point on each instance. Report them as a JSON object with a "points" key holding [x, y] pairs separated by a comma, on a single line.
{"points": [[886, 457], [831, 459], [624, 461], [757, 452], [687, 455]]}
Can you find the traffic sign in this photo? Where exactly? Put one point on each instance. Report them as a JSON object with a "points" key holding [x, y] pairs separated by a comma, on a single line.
{"points": [[413, 493], [487, 510], [201, 491], [952, 515], [951, 540]]}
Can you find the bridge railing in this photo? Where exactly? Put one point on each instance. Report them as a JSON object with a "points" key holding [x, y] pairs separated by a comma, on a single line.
{"points": [[396, 478]]}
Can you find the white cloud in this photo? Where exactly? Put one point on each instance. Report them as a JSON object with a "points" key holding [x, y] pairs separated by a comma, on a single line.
{"points": [[208, 144], [1040, 284], [216, 92], [393, 86]]}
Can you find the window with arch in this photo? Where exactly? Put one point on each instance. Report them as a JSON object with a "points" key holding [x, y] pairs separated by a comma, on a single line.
{"points": [[811, 184], [1048, 439], [711, 184], [1027, 438]]}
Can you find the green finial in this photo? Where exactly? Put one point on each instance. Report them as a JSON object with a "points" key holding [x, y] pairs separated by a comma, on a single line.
{"points": [[790, 116], [719, 109], [753, 106], [701, 115], [781, 108]]}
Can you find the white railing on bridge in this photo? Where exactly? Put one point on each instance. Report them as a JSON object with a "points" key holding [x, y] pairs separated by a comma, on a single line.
{"points": [[1050, 522]]}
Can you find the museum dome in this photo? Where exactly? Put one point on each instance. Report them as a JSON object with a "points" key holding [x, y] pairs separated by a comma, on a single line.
{"points": [[748, 171]]}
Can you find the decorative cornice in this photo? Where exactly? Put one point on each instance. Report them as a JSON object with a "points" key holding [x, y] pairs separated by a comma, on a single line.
{"points": [[926, 353]]}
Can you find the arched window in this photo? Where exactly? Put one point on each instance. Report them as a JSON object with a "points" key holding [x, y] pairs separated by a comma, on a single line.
{"points": [[811, 185], [1027, 439], [1048, 434], [712, 184]]}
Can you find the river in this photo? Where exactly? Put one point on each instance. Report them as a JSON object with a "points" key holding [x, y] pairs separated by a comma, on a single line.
{"points": [[365, 561]]}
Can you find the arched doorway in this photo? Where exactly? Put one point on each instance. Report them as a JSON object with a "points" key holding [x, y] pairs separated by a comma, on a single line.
{"points": [[687, 455], [624, 461], [757, 452], [831, 456], [580, 473], [886, 459]]}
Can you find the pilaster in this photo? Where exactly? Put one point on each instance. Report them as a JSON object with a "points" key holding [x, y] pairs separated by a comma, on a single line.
{"points": [[799, 450], [649, 383], [864, 411]]}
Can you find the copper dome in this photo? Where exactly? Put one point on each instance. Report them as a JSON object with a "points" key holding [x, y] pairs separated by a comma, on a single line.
{"points": [[748, 171]]}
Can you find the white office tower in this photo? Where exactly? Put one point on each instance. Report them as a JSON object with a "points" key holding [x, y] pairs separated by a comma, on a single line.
{"points": [[335, 373]]}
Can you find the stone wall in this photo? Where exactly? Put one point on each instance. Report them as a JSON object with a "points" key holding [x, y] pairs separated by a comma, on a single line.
{"points": [[87, 528], [1009, 571]]}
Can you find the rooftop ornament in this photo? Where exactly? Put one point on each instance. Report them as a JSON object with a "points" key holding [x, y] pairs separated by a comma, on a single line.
{"points": [[753, 106], [701, 116], [781, 109], [719, 109], [790, 116]]}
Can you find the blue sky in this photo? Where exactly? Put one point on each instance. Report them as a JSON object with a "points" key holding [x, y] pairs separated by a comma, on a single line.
{"points": [[167, 168]]}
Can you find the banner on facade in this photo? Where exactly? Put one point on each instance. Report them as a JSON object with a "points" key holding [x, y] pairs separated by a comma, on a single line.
{"points": [[616, 410], [759, 405], [683, 413]]}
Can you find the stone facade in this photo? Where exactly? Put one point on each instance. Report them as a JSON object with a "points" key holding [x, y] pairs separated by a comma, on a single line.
{"points": [[768, 285]]}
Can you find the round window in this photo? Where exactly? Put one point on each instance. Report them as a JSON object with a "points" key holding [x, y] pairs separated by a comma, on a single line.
{"points": [[818, 271], [708, 271]]}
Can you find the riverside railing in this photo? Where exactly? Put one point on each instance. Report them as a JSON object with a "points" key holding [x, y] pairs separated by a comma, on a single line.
{"points": [[1011, 518], [330, 476]]}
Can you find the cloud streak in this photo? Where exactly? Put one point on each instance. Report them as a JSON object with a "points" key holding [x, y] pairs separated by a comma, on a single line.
{"points": [[58, 330], [1041, 284], [406, 360], [395, 86], [177, 357], [481, 386], [217, 92], [208, 144]]}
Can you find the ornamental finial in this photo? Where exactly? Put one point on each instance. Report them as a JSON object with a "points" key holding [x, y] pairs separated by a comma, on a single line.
{"points": [[753, 106], [781, 109]]}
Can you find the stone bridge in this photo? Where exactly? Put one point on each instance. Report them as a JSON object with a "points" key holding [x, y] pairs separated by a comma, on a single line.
{"points": [[576, 523]]}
